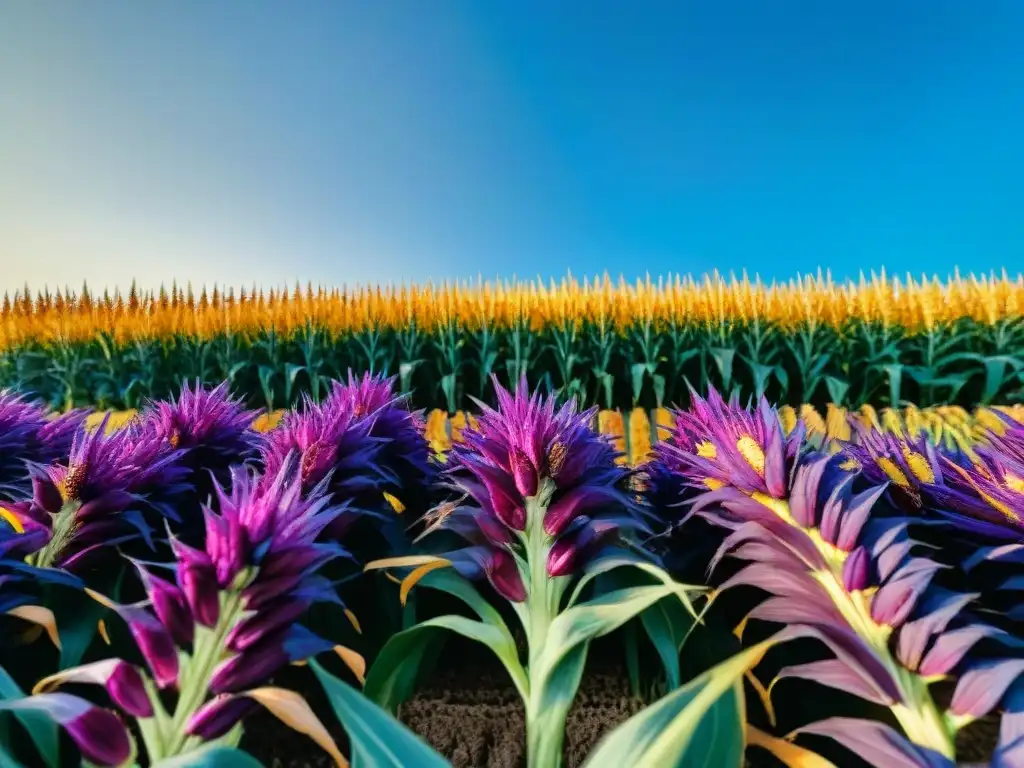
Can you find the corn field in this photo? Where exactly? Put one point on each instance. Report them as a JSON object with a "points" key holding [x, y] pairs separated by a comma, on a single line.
{"points": [[881, 342]]}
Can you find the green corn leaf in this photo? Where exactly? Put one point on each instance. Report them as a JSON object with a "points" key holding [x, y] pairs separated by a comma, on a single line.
{"points": [[761, 373], [266, 376], [632, 659], [392, 678], [782, 376], [953, 384], [667, 623], [40, 728], [607, 383], [237, 368], [637, 373], [291, 373], [448, 385], [659, 383], [555, 674], [701, 724], [487, 363], [837, 389], [668, 626], [78, 617], [724, 357], [894, 374], [378, 740], [999, 370], [405, 373], [211, 756], [6, 758]]}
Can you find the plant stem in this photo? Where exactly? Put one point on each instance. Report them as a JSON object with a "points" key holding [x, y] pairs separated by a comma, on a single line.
{"points": [[543, 744], [207, 653]]}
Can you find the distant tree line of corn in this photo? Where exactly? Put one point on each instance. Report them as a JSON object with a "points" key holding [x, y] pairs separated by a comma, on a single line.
{"points": [[879, 341]]}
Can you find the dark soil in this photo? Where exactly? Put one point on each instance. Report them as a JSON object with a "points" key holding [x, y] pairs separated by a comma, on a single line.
{"points": [[472, 715], [476, 720]]}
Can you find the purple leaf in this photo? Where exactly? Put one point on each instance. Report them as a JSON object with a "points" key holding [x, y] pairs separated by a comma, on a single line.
{"points": [[981, 687], [938, 610], [876, 743], [835, 674]]}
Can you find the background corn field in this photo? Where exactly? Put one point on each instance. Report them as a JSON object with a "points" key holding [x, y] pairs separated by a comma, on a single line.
{"points": [[880, 341]]}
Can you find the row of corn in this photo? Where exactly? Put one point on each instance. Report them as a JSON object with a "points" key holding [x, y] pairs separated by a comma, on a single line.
{"points": [[636, 432], [914, 304]]}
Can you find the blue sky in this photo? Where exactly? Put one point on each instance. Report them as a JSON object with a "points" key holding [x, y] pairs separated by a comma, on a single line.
{"points": [[343, 141]]}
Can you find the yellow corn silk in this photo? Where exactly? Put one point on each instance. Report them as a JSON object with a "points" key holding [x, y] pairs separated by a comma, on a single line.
{"points": [[640, 443], [611, 423], [437, 432], [267, 421], [459, 422], [664, 422], [115, 419]]}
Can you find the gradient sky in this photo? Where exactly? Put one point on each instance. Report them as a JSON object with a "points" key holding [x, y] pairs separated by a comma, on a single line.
{"points": [[344, 141]]}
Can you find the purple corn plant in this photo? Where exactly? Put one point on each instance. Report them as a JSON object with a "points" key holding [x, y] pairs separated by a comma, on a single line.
{"points": [[372, 449], [98, 499], [538, 479], [226, 619], [847, 575], [29, 435], [717, 444], [980, 498], [542, 504], [214, 430], [405, 456]]}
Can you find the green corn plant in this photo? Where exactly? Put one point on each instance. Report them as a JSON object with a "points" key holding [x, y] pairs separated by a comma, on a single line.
{"points": [[643, 367], [411, 342], [448, 342]]}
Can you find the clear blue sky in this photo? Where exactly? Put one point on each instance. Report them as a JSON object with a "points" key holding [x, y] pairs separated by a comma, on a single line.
{"points": [[383, 141]]}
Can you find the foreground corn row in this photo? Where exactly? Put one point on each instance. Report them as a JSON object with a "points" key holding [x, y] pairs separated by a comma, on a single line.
{"points": [[636, 432], [613, 345], [888, 547]]}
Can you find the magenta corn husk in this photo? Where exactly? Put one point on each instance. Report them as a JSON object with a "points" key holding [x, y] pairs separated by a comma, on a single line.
{"points": [[219, 715], [99, 734], [716, 444], [333, 445], [29, 435], [101, 497], [261, 542], [528, 454], [212, 429], [982, 495], [876, 743], [405, 455], [974, 504], [231, 609]]}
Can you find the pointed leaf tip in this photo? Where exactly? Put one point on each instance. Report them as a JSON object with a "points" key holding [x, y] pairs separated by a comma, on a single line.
{"points": [[40, 616]]}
